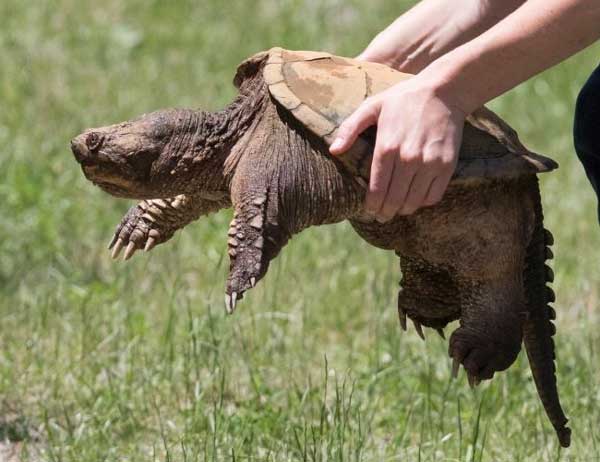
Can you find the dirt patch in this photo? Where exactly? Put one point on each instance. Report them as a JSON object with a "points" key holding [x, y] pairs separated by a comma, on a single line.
{"points": [[17, 439]]}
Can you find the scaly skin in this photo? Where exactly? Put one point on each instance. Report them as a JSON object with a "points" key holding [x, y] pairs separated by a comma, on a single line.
{"points": [[154, 221], [473, 257]]}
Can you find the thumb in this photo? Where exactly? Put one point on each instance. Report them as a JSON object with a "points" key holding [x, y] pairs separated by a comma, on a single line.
{"points": [[364, 117]]}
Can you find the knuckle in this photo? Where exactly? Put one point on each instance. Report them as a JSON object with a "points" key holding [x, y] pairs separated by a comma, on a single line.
{"points": [[371, 102], [367, 109], [377, 189], [444, 163], [432, 158], [411, 157], [346, 129], [388, 148]]}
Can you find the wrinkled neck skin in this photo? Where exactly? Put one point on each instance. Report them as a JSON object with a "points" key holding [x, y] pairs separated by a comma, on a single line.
{"points": [[193, 159]]}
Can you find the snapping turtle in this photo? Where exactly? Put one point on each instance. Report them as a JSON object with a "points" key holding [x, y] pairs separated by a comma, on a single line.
{"points": [[478, 256]]}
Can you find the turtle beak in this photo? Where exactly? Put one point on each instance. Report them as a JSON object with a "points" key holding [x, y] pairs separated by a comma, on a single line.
{"points": [[81, 151]]}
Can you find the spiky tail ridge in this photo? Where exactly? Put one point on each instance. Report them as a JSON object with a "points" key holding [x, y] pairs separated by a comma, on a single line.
{"points": [[538, 328]]}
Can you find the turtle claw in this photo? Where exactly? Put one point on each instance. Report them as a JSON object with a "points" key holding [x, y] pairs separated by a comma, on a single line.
{"points": [[150, 243], [129, 251], [472, 381], [455, 367], [113, 241], [419, 329], [402, 317], [146, 225], [116, 250], [440, 331], [231, 302]]}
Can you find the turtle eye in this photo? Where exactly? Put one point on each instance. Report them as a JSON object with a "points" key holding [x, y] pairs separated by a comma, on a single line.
{"points": [[93, 141]]}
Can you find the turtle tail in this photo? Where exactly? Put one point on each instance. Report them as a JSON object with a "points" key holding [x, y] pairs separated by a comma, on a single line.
{"points": [[538, 328]]}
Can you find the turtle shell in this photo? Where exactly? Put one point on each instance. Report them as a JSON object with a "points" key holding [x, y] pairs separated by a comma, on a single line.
{"points": [[321, 90]]}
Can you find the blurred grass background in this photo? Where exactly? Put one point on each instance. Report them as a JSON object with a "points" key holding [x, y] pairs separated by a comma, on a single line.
{"points": [[136, 362]]}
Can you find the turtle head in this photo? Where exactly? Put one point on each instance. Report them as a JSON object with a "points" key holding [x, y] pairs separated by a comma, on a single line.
{"points": [[148, 157]]}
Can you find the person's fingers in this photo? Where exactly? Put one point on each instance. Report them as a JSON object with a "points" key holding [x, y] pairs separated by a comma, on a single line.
{"points": [[382, 167], [364, 117], [437, 189], [418, 190], [397, 192]]}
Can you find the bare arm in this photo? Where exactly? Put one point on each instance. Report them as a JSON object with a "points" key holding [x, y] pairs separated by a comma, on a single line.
{"points": [[432, 28], [420, 121], [535, 37]]}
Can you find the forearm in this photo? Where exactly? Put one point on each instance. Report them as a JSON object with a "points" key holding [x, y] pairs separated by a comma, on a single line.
{"points": [[538, 35], [433, 28]]}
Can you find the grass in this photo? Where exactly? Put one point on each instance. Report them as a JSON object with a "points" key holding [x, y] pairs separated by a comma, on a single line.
{"points": [[103, 361]]}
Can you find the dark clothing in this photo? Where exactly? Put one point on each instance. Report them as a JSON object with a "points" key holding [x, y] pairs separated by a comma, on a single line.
{"points": [[587, 130]]}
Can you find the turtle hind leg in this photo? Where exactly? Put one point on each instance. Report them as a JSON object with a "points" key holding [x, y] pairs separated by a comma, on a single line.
{"points": [[428, 296], [490, 333]]}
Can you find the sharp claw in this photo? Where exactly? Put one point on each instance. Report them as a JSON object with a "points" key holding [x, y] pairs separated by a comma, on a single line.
{"points": [[113, 241], [117, 248], [230, 302], [253, 282], [455, 367], [419, 329], [402, 317], [129, 251], [472, 380], [150, 243], [440, 331]]}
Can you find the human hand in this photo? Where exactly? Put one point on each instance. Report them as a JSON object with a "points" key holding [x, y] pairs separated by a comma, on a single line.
{"points": [[418, 138]]}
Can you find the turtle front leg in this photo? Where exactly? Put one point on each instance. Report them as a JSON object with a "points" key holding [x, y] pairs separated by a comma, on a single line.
{"points": [[285, 182], [153, 222], [255, 238]]}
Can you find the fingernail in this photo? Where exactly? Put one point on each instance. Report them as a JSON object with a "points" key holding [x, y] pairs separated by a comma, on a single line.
{"points": [[337, 144]]}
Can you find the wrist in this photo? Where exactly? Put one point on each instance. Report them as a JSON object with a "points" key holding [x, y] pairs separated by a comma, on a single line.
{"points": [[449, 81]]}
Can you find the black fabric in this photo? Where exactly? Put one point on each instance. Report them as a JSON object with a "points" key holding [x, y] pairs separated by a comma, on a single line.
{"points": [[587, 130]]}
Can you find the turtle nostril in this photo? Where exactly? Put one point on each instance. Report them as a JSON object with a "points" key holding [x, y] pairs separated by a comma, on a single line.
{"points": [[93, 141]]}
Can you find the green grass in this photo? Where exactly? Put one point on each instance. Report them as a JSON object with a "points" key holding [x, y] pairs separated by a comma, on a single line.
{"points": [[103, 361]]}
